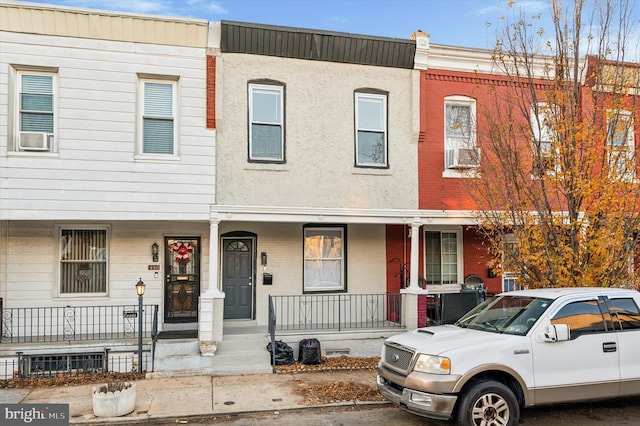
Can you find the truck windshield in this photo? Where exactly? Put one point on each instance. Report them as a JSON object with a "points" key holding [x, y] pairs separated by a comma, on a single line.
{"points": [[505, 314]]}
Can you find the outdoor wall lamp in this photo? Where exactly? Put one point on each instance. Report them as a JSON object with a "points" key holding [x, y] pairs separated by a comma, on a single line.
{"points": [[154, 251], [263, 258]]}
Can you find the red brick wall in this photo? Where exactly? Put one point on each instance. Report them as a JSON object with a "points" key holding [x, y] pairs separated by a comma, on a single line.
{"points": [[211, 92]]}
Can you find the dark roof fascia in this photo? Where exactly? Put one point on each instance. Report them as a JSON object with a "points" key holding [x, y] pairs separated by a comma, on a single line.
{"points": [[303, 43]]}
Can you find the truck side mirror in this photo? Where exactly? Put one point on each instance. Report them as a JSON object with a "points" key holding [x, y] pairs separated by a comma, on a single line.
{"points": [[557, 333]]}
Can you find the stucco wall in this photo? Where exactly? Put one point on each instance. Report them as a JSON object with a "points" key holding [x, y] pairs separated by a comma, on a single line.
{"points": [[319, 135]]}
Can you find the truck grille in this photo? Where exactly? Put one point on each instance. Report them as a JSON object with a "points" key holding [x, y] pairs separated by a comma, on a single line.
{"points": [[397, 358]]}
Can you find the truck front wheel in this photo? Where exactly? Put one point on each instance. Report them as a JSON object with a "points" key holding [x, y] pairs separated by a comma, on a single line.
{"points": [[488, 403]]}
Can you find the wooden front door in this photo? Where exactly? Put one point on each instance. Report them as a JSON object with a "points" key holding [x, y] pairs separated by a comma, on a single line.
{"points": [[182, 279], [237, 270]]}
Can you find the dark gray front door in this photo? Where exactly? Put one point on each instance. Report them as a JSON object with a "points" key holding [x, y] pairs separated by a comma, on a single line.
{"points": [[237, 270]]}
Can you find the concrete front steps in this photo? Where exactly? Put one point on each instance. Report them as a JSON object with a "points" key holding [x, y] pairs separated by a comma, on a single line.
{"points": [[243, 351]]}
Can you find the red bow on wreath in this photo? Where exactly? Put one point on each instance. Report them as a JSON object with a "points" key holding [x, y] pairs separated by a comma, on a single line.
{"points": [[182, 251]]}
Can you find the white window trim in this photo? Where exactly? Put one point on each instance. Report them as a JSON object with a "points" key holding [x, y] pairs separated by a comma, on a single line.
{"points": [[459, 249], [19, 71], [466, 101], [630, 141], [173, 81], [383, 97], [273, 88], [98, 227], [538, 127]]}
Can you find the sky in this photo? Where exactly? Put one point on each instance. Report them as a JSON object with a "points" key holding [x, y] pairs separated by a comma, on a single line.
{"points": [[450, 22], [464, 23]]}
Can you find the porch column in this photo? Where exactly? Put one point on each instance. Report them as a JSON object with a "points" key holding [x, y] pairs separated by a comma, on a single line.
{"points": [[415, 242], [212, 300], [411, 311]]}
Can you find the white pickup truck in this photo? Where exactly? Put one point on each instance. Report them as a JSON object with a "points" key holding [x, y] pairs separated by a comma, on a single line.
{"points": [[516, 350]]}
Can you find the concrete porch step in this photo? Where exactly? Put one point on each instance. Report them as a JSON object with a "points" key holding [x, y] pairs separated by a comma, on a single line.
{"points": [[240, 353]]}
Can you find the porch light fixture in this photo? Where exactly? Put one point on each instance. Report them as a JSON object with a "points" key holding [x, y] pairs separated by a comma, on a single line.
{"points": [[140, 288], [140, 293], [154, 251]]}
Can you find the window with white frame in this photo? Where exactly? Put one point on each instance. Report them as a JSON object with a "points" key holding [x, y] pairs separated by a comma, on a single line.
{"points": [[442, 256], [36, 99], [266, 122], [621, 144], [371, 129], [83, 260], [545, 157], [510, 282], [158, 116], [461, 151], [324, 258]]}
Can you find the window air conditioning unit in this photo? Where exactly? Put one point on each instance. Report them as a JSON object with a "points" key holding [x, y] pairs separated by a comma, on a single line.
{"points": [[463, 158], [31, 141]]}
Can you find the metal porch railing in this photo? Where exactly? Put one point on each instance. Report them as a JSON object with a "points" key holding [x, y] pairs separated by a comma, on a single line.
{"points": [[335, 312], [76, 323]]}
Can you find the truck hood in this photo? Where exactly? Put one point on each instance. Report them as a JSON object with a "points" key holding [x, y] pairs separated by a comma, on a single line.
{"points": [[438, 340]]}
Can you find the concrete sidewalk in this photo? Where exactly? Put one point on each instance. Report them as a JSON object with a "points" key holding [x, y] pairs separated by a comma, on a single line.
{"points": [[180, 398]]}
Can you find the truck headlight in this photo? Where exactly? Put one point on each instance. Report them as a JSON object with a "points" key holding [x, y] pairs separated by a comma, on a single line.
{"points": [[433, 364]]}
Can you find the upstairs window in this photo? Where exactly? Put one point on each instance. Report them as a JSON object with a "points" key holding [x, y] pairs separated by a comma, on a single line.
{"points": [[371, 129], [158, 117], [460, 133], [36, 118], [83, 261], [545, 157], [621, 144], [266, 123]]}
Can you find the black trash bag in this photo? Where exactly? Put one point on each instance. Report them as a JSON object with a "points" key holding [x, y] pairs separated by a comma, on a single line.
{"points": [[309, 351], [283, 353]]}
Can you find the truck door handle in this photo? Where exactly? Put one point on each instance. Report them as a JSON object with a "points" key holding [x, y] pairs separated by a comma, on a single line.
{"points": [[609, 347]]}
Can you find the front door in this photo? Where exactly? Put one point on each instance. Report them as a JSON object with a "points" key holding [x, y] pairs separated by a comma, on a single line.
{"points": [[237, 272], [182, 279]]}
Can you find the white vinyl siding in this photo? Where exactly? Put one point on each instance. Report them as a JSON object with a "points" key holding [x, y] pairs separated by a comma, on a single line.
{"points": [[83, 261], [266, 122], [324, 259], [158, 117], [371, 129]]}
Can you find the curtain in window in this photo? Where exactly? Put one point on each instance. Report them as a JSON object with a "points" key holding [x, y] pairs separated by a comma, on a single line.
{"points": [[458, 124], [36, 103], [83, 261], [158, 125], [323, 259]]}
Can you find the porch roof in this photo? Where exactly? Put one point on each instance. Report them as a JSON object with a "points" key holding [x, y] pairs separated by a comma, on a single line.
{"points": [[243, 213]]}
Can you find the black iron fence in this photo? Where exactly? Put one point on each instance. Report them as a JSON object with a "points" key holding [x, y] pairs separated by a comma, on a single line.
{"points": [[56, 365], [76, 323], [335, 312]]}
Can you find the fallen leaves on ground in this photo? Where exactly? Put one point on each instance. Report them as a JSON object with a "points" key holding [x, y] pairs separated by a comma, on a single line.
{"points": [[335, 391], [342, 362], [326, 393], [69, 380]]}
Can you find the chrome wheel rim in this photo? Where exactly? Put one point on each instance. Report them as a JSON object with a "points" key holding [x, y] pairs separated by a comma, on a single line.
{"points": [[490, 409]]}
